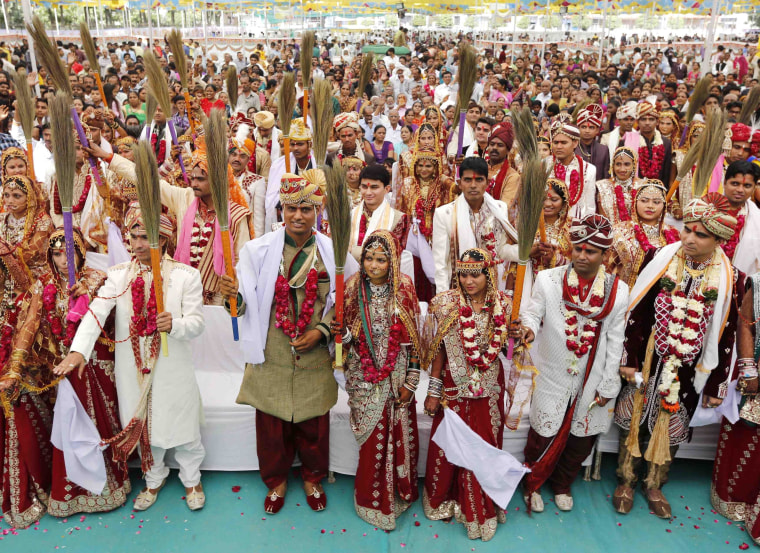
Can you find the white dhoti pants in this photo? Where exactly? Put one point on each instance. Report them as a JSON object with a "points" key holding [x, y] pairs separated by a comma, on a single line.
{"points": [[189, 457]]}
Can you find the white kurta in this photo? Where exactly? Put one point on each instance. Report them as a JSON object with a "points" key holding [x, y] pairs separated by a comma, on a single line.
{"points": [[555, 386], [176, 408]]}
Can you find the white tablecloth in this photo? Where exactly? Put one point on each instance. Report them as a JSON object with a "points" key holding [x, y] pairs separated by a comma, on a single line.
{"points": [[229, 432]]}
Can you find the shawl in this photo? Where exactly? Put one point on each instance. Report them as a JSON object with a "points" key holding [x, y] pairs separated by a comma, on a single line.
{"points": [[182, 254]]}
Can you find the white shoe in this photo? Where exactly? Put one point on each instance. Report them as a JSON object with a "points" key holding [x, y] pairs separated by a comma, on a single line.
{"points": [[564, 501], [195, 500], [145, 499], [535, 501]]}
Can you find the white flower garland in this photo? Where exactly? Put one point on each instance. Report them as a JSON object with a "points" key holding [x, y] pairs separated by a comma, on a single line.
{"points": [[580, 345]]}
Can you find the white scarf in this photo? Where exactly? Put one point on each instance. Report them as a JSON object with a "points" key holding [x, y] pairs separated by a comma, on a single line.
{"points": [[651, 275], [381, 218], [747, 255], [257, 269]]}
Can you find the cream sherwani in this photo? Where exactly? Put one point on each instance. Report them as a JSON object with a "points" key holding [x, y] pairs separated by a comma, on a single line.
{"points": [[586, 204], [555, 386], [454, 221], [747, 255]]}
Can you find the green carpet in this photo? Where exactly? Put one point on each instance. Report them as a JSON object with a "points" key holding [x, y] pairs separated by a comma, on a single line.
{"points": [[235, 521]]}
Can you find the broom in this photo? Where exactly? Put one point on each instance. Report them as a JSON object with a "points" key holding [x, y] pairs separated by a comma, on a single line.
{"points": [[751, 104], [65, 159], [232, 86], [530, 205], [697, 98], [49, 58], [285, 105], [25, 108], [711, 152], [339, 211], [307, 53], [365, 73], [89, 49], [215, 131], [178, 50], [150, 107], [467, 74], [149, 196], [689, 160], [525, 133], [322, 119], [159, 90]]}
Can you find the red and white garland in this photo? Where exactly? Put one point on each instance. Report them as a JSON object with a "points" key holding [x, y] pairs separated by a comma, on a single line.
{"points": [[283, 300], [199, 239], [575, 186], [480, 362], [49, 296], [143, 323], [651, 165], [682, 321], [581, 344], [371, 372], [623, 213], [729, 247]]}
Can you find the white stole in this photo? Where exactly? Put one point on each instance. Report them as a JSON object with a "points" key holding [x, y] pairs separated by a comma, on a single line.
{"points": [[381, 218]]}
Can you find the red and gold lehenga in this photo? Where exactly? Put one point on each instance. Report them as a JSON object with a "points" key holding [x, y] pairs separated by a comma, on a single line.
{"points": [[419, 199], [381, 320], [477, 397], [633, 239], [614, 197], [26, 417], [407, 158], [735, 492], [43, 337]]}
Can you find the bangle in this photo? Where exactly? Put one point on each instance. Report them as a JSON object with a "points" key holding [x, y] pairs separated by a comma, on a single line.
{"points": [[412, 389], [435, 387]]}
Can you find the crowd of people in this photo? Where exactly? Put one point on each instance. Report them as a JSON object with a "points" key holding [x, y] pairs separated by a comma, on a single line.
{"points": [[640, 302]]}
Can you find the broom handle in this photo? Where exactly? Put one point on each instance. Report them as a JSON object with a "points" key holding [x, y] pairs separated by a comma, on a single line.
{"points": [[189, 115], [460, 138], [286, 146], [230, 273], [68, 232], [100, 88], [339, 314], [173, 132], [672, 191], [30, 157], [358, 105], [516, 300], [86, 144], [158, 286], [305, 110]]}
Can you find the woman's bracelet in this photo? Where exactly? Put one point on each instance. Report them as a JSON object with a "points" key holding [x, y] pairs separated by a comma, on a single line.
{"points": [[435, 387]]}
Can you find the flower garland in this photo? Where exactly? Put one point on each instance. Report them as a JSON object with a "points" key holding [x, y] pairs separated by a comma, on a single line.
{"points": [[480, 362], [161, 156], [489, 243], [199, 239], [651, 164], [143, 317], [371, 373], [421, 207], [623, 213], [6, 337], [49, 295], [575, 188], [729, 247], [680, 323], [671, 235], [581, 345], [282, 299], [79, 206], [362, 228]]}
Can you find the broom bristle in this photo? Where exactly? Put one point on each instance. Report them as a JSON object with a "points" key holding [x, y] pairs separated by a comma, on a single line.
{"points": [[698, 97], [693, 155], [712, 146], [178, 50], [307, 53], [148, 191], [365, 73], [88, 44], [215, 131], [24, 102], [286, 102], [48, 55], [64, 146], [751, 104], [580, 106], [232, 85], [467, 75], [150, 107], [530, 204], [322, 118], [338, 212], [525, 133], [157, 85]]}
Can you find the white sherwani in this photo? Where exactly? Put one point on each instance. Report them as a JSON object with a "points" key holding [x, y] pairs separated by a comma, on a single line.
{"points": [[747, 254], [455, 216], [586, 204], [176, 408], [555, 386]]}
